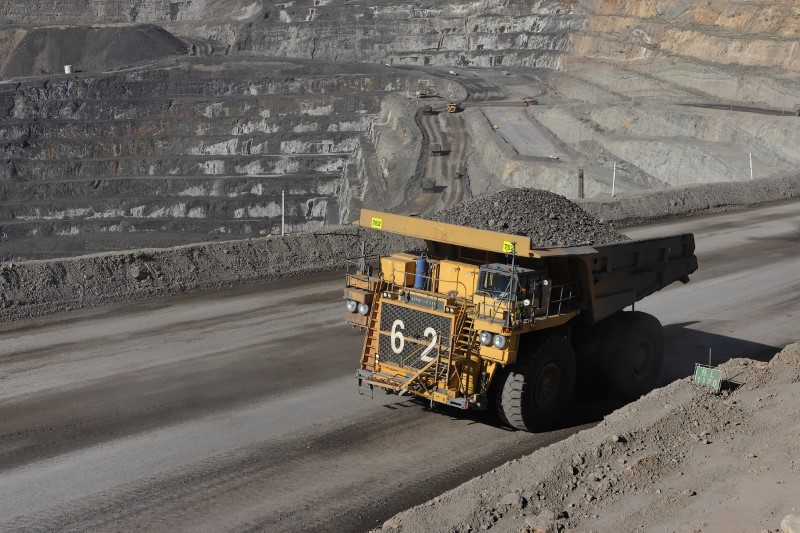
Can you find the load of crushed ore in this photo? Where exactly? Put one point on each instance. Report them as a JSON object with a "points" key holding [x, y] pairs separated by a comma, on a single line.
{"points": [[549, 219]]}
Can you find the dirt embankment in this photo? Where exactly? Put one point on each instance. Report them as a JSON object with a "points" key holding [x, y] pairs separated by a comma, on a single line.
{"points": [[32, 288], [679, 459], [630, 209]]}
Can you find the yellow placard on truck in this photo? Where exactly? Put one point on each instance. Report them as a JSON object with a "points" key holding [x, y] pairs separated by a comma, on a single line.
{"points": [[508, 247], [377, 223]]}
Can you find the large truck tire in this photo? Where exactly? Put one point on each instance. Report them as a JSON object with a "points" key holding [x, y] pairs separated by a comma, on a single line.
{"points": [[534, 394], [633, 354], [587, 341]]}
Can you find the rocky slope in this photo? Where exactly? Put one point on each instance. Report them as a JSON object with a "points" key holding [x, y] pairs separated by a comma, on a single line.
{"points": [[34, 288], [190, 151], [680, 459], [634, 66], [653, 94]]}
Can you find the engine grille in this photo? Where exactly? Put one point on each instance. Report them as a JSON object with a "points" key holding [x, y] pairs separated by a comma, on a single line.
{"points": [[410, 326]]}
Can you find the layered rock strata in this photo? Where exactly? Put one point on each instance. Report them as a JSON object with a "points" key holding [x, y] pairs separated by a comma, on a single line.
{"points": [[181, 154]]}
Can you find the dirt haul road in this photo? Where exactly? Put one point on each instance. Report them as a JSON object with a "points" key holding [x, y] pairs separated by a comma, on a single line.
{"points": [[238, 409], [444, 162]]}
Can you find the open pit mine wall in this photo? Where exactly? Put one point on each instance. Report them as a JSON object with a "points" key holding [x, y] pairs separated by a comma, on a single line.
{"points": [[480, 34], [465, 33], [77, 12], [753, 34], [695, 43], [672, 145], [495, 164], [181, 154], [729, 51], [398, 147]]}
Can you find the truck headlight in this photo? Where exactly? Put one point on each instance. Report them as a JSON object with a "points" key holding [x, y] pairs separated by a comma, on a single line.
{"points": [[485, 338], [352, 306], [499, 341], [363, 309]]}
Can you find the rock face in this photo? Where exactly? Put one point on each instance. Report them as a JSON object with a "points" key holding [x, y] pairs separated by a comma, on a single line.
{"points": [[492, 33], [547, 218], [183, 153], [485, 34], [76, 12], [634, 94]]}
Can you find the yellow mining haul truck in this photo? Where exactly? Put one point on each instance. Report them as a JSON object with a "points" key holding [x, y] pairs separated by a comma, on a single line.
{"points": [[487, 320]]}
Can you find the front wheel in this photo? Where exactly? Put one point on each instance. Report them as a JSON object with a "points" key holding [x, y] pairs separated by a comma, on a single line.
{"points": [[534, 394]]}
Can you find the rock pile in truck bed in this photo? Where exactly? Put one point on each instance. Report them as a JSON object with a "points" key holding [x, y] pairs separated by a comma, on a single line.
{"points": [[548, 219]]}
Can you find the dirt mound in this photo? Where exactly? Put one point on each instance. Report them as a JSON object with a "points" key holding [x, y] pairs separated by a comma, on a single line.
{"points": [[680, 458], [45, 50], [548, 219]]}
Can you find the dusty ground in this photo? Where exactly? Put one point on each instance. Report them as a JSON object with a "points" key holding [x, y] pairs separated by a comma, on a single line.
{"points": [[679, 459]]}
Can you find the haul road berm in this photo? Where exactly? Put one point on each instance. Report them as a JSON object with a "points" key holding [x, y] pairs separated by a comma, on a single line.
{"points": [[486, 320]]}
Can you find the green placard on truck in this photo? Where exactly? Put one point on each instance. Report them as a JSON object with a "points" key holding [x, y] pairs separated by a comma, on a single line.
{"points": [[707, 376]]}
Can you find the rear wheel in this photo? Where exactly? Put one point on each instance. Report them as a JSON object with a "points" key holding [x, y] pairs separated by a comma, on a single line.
{"points": [[634, 353], [533, 394]]}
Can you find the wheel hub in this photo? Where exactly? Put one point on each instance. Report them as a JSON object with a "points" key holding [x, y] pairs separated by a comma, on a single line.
{"points": [[642, 359], [548, 385]]}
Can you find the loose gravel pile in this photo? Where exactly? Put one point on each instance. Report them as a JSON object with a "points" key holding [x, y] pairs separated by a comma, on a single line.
{"points": [[548, 219], [679, 459]]}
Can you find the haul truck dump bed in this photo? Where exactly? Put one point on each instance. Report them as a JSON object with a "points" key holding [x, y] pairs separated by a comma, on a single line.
{"points": [[487, 320]]}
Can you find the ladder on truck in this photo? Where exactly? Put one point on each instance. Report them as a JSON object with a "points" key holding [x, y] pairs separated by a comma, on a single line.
{"points": [[369, 351]]}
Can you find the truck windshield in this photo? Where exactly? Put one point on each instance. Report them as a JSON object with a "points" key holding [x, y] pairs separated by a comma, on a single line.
{"points": [[494, 284]]}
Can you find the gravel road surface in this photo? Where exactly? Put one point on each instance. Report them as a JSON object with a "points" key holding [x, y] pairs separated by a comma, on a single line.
{"points": [[523, 133], [238, 409], [447, 132]]}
